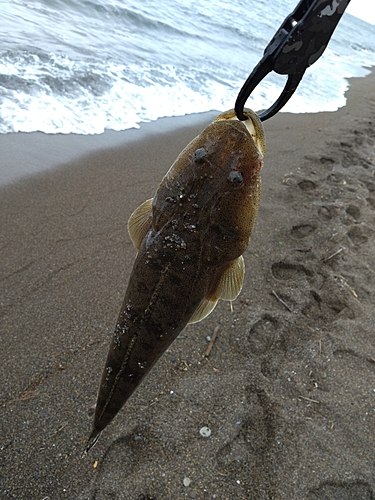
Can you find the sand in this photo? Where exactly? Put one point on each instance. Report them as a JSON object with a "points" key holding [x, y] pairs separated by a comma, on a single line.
{"points": [[288, 388]]}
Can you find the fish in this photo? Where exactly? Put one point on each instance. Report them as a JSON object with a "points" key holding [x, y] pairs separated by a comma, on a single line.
{"points": [[190, 239]]}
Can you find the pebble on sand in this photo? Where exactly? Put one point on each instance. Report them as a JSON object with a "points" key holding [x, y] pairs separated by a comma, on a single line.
{"points": [[205, 432], [187, 481]]}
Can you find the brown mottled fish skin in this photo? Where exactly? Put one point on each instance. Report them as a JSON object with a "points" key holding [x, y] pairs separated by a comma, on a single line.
{"points": [[201, 220]]}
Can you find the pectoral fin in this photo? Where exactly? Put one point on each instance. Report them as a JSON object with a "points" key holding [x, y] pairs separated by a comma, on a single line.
{"points": [[139, 222], [205, 308], [231, 281], [228, 288]]}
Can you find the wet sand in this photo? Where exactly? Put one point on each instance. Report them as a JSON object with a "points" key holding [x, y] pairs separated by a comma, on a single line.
{"points": [[288, 389]]}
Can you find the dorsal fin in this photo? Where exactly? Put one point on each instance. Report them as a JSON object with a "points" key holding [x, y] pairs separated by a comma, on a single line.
{"points": [[139, 223]]}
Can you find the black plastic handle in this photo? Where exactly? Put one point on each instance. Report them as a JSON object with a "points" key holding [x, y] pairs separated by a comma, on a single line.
{"points": [[297, 44]]}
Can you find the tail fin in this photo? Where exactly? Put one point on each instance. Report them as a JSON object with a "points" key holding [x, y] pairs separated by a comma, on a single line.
{"points": [[94, 436]]}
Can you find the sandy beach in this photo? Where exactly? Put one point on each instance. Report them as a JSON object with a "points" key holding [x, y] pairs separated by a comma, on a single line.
{"points": [[288, 388]]}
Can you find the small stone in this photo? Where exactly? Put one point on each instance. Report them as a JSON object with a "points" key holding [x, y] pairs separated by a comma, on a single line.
{"points": [[205, 432], [187, 481]]}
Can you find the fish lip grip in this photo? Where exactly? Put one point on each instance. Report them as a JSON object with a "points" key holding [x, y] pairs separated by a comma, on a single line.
{"points": [[298, 43]]}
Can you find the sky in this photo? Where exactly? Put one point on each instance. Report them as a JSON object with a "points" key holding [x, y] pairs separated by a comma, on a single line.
{"points": [[364, 9]]}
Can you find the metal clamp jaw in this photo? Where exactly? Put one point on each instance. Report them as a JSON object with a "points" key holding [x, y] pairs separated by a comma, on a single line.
{"points": [[298, 43]]}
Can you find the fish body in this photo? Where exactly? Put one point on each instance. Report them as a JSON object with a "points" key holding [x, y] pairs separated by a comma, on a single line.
{"points": [[190, 239]]}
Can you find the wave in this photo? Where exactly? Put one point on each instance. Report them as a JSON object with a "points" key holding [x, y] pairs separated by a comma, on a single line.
{"points": [[97, 65]]}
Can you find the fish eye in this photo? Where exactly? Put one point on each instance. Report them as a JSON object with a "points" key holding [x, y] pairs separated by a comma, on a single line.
{"points": [[200, 155], [235, 178]]}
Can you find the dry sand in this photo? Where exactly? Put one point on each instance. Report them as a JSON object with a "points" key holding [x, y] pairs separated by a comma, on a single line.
{"points": [[288, 389]]}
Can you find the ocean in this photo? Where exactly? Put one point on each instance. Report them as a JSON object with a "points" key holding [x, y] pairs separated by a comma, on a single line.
{"points": [[84, 66]]}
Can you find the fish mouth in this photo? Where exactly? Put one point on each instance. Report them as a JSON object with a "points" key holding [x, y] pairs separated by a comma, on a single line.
{"points": [[253, 125]]}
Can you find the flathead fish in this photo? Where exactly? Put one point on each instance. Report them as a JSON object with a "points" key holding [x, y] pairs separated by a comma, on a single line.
{"points": [[190, 239]]}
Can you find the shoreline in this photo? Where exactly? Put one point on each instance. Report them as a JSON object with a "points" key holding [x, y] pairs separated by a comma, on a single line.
{"points": [[26, 154], [288, 392]]}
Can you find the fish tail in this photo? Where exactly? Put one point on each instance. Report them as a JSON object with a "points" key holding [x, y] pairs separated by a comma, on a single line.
{"points": [[91, 442]]}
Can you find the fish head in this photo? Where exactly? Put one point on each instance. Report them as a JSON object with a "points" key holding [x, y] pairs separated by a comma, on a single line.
{"points": [[237, 160], [252, 124], [214, 186]]}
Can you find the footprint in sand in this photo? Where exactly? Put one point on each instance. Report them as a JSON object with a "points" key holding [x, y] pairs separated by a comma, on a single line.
{"points": [[326, 307], [353, 211], [302, 230], [351, 158], [307, 185], [252, 444], [324, 160], [285, 271], [371, 188], [369, 184], [328, 160], [357, 235], [342, 491], [260, 336], [371, 201], [126, 453], [335, 177], [327, 213]]}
